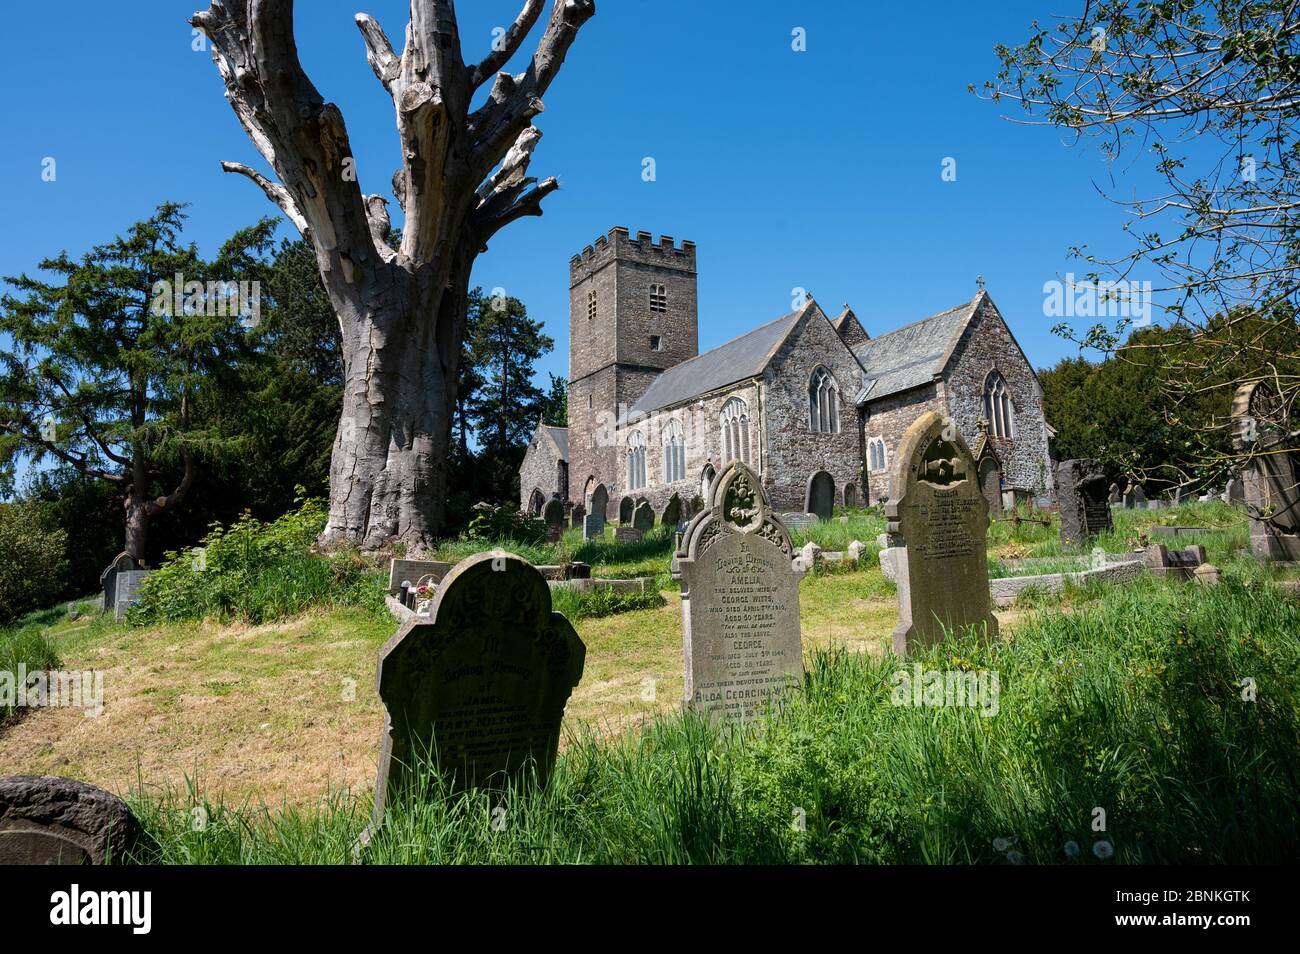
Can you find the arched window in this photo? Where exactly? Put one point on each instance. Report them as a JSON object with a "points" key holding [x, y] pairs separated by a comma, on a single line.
{"points": [[877, 458], [674, 442], [998, 409], [658, 299], [823, 403], [734, 421], [635, 460]]}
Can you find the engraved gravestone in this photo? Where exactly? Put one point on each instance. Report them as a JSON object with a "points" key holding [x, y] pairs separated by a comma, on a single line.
{"points": [[593, 526], [412, 571], [49, 820], [108, 579], [128, 590], [627, 535], [643, 518], [553, 513], [576, 515], [1081, 494], [941, 518], [480, 686], [1263, 433], [740, 601]]}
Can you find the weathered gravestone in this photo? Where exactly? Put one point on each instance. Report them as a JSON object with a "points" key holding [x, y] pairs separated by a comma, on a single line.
{"points": [[1081, 495], [1262, 429], [627, 535], [128, 588], [413, 571], [740, 601], [553, 512], [799, 521], [672, 511], [940, 520], [643, 518], [47, 820], [1135, 497], [108, 579], [821, 495], [1115, 496], [480, 686], [988, 468], [576, 515], [600, 501], [625, 507], [593, 526], [1235, 492]]}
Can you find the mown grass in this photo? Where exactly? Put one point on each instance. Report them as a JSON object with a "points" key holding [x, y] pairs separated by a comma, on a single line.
{"points": [[1132, 704]]}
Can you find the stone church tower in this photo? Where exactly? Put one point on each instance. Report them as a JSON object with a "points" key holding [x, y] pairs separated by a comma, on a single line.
{"points": [[632, 314]]}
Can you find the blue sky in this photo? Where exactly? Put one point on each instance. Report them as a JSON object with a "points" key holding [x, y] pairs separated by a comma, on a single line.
{"points": [[819, 169]]}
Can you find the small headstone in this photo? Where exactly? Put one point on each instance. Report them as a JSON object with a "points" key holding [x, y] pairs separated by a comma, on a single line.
{"points": [[887, 563], [1235, 492], [576, 515], [47, 820], [625, 510], [1115, 495], [593, 526], [627, 535], [799, 521], [811, 554], [672, 511], [414, 571], [740, 601], [108, 579], [481, 685], [643, 518], [855, 551], [942, 519], [554, 532], [1207, 574], [128, 586], [821, 495], [1081, 491], [553, 512]]}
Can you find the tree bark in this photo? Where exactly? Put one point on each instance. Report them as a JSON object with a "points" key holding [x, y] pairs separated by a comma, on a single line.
{"points": [[402, 312]]}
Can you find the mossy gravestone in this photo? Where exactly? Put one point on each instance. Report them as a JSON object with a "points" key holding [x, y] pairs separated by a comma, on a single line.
{"points": [[740, 601], [942, 520], [1081, 494], [643, 518], [480, 686]]}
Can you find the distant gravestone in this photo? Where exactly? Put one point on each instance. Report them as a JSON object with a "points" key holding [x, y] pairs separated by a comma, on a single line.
{"points": [[481, 685], [1081, 494], [740, 601], [672, 511], [1262, 430], [855, 550], [799, 521], [1138, 496], [108, 579], [1116, 495], [941, 518], [553, 512], [576, 515], [128, 586], [593, 526], [625, 507], [627, 535], [1235, 493], [48, 820], [643, 518], [600, 501], [413, 571], [821, 495]]}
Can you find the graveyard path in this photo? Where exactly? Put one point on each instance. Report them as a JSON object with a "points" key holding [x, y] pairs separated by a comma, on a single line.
{"points": [[288, 711]]}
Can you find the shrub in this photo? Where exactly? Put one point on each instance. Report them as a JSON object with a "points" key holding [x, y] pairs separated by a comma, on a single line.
{"points": [[258, 572], [23, 645], [504, 522], [32, 572]]}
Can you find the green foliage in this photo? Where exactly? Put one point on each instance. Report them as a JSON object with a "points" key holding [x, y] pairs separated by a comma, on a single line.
{"points": [[33, 566], [25, 644], [590, 604], [504, 522], [258, 572]]}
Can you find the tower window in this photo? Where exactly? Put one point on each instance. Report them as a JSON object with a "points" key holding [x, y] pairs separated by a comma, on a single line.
{"points": [[658, 298], [591, 304], [655, 343]]}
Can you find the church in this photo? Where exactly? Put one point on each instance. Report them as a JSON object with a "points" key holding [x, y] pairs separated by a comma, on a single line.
{"points": [[817, 405]]}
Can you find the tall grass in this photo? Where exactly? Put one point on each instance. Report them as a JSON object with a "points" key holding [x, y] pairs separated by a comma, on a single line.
{"points": [[24, 644], [1132, 704]]}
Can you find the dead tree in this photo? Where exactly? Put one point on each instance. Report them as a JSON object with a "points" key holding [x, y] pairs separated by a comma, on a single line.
{"points": [[463, 176]]}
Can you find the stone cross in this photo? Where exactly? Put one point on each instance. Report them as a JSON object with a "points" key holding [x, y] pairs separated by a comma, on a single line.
{"points": [[740, 601], [941, 520]]}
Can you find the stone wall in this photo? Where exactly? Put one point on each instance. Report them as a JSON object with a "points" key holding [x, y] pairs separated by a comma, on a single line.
{"points": [[540, 470], [889, 418], [792, 451], [987, 344]]}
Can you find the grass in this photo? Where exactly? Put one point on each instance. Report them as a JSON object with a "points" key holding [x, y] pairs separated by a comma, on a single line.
{"points": [[25, 647], [1131, 705]]}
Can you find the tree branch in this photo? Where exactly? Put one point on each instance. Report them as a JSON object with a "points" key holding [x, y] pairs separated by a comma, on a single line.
{"points": [[510, 43], [274, 191]]}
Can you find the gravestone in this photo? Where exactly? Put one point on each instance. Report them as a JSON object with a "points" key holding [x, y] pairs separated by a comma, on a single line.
{"points": [[481, 685], [810, 554], [1115, 497], [1271, 475], [855, 551], [799, 521], [643, 518], [412, 571], [625, 507], [989, 469], [1162, 561], [672, 511], [576, 515], [627, 535], [128, 586], [600, 501], [740, 601], [108, 579], [1081, 494], [821, 495], [1136, 497], [593, 526], [553, 513], [940, 519], [47, 820], [1235, 493]]}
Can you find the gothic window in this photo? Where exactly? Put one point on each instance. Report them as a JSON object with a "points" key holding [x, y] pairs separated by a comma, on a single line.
{"points": [[674, 442], [877, 459], [998, 409], [823, 403], [591, 304], [734, 421], [658, 299], [635, 460]]}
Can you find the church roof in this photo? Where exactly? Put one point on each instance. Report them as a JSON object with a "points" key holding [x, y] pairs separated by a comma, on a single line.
{"points": [[559, 435], [911, 355], [738, 359]]}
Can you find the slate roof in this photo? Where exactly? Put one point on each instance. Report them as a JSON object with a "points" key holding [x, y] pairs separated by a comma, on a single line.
{"points": [[911, 355], [561, 437], [738, 359]]}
